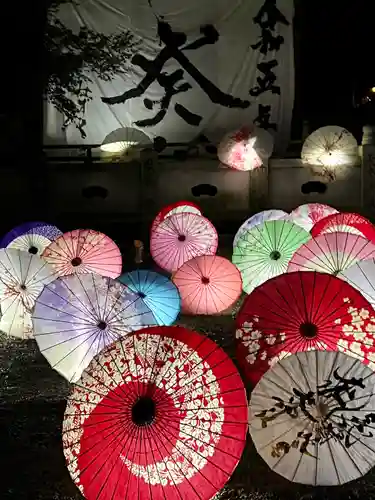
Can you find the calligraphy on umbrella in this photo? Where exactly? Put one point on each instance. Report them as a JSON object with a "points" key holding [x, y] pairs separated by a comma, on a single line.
{"points": [[173, 83], [312, 418]]}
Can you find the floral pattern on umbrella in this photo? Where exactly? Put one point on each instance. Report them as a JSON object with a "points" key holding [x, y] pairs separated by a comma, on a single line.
{"points": [[84, 251], [309, 214], [301, 311], [177, 410]]}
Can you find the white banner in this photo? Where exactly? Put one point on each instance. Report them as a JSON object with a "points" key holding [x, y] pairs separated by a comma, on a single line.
{"points": [[203, 66]]}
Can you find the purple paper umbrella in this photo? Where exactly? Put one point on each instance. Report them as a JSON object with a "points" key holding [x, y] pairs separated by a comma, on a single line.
{"points": [[77, 316], [40, 228]]}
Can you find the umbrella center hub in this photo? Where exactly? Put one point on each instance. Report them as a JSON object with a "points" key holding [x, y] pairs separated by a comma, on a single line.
{"points": [[275, 255], [205, 280], [142, 295], [33, 250], [308, 330], [143, 411], [102, 325], [322, 409], [181, 237], [22, 287], [77, 261]]}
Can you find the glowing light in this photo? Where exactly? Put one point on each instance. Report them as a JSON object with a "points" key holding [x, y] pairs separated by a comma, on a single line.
{"points": [[373, 90]]}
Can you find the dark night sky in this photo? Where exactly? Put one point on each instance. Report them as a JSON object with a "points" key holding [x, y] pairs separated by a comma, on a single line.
{"points": [[334, 58]]}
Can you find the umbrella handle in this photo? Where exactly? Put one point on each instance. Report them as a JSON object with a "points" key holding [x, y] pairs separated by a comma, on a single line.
{"points": [[139, 248]]}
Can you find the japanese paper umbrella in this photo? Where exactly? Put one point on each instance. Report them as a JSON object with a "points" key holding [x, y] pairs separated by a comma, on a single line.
{"points": [[22, 278], [309, 214], [361, 275], [76, 316], [265, 250], [345, 222], [180, 237], [257, 219], [158, 293], [208, 284], [300, 311], [84, 251], [175, 208], [312, 418], [160, 414], [42, 228], [331, 253]]}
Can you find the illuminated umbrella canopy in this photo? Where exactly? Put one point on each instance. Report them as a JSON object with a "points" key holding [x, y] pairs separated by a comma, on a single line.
{"points": [[265, 251], [347, 223], [76, 316], [309, 214], [330, 147], [125, 143], [246, 149], [180, 237], [331, 253], [178, 418], [22, 278], [300, 311], [257, 219], [175, 208], [84, 251], [361, 276], [208, 284], [312, 417], [43, 229], [157, 292]]}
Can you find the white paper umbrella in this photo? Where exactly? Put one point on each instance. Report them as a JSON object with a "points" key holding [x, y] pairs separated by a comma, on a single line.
{"points": [[22, 278], [312, 418], [309, 214], [330, 147], [76, 316], [361, 276], [32, 243]]}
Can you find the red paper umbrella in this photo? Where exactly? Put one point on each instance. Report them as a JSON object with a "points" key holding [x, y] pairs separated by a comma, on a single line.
{"points": [[331, 253], [345, 222], [180, 238], [302, 311], [208, 284], [160, 414], [175, 208], [84, 251]]}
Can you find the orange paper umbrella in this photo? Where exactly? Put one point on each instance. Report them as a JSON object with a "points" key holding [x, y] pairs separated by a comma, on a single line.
{"points": [[208, 284]]}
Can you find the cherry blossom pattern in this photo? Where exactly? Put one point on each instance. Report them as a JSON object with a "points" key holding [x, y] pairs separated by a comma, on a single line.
{"points": [[359, 335], [178, 416]]}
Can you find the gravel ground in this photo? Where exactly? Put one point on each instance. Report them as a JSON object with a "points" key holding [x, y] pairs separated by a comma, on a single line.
{"points": [[33, 399]]}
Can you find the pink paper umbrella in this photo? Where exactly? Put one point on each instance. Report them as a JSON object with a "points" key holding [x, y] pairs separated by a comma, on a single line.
{"points": [[208, 284], [84, 251], [331, 253], [180, 238]]}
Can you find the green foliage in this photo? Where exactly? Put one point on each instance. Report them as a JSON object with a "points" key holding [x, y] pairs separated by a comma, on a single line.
{"points": [[72, 57]]}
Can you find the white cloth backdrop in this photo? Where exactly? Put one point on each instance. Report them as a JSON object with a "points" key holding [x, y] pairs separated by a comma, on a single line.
{"points": [[231, 64]]}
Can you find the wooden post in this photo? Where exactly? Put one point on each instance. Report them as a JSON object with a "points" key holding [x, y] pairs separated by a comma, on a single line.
{"points": [[367, 152]]}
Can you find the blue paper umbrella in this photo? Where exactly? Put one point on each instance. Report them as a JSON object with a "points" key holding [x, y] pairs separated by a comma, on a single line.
{"points": [[158, 293]]}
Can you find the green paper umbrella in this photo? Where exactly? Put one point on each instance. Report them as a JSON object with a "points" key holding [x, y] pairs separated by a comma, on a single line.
{"points": [[264, 251]]}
